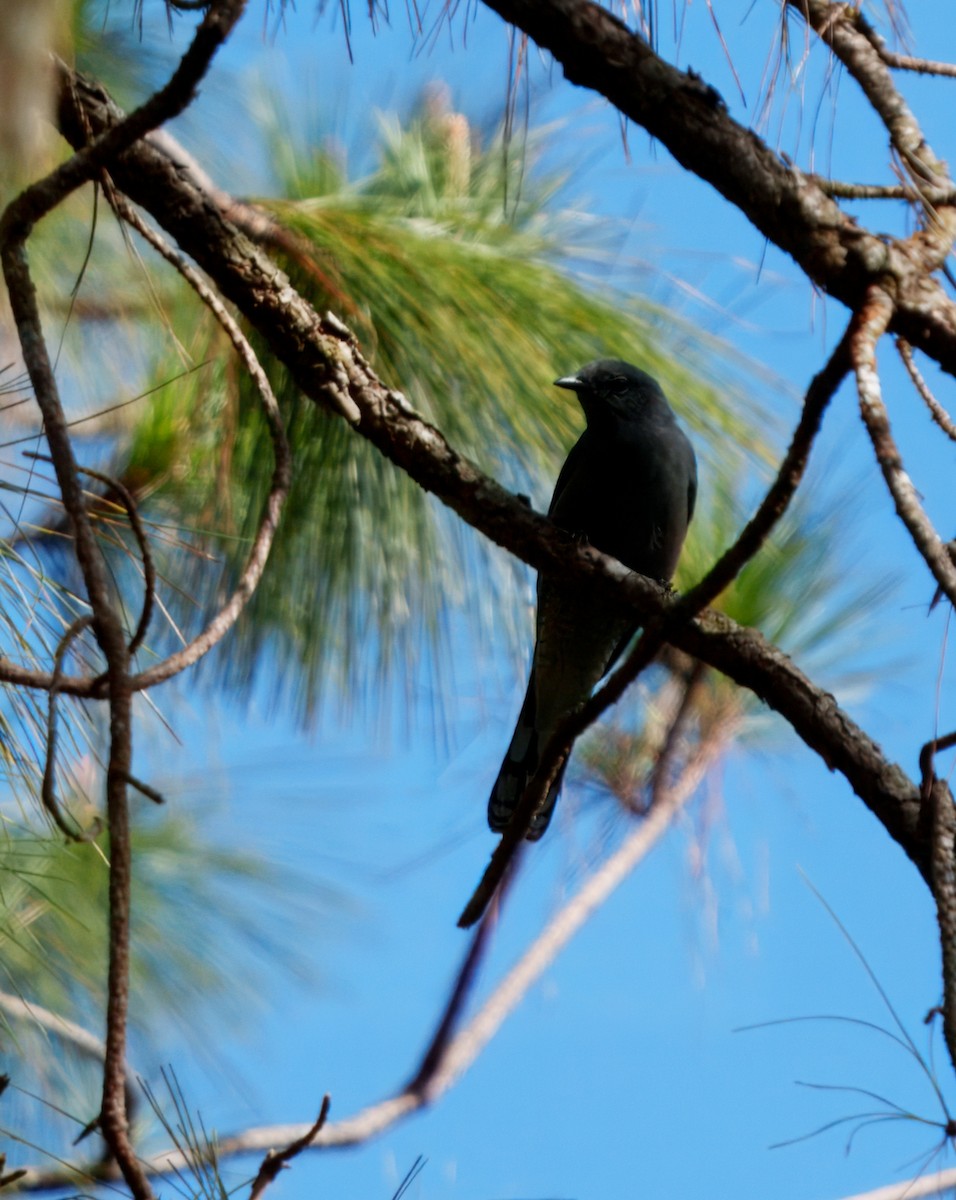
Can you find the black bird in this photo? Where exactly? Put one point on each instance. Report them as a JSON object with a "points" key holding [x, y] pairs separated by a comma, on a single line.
{"points": [[628, 488]]}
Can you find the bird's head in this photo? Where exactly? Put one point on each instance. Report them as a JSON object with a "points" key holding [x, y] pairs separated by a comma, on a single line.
{"points": [[611, 388]]}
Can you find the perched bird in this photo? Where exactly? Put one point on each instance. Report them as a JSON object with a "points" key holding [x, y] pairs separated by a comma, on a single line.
{"points": [[628, 488]]}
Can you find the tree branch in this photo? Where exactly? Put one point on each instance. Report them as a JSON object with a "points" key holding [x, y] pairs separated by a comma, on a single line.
{"points": [[327, 364], [874, 320], [15, 226], [461, 1050], [937, 412], [847, 34], [279, 485], [275, 1161], [787, 206]]}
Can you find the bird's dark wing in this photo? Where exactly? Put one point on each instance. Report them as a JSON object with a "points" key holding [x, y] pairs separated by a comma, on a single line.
{"points": [[691, 487], [575, 461]]}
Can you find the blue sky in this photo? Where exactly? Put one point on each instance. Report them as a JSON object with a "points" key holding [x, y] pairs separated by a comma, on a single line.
{"points": [[622, 1073]]}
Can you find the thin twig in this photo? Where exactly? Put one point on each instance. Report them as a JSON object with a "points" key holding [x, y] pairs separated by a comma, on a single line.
{"points": [[139, 532], [149, 567], [938, 413], [274, 1162], [448, 1023], [926, 765], [145, 790], [48, 784], [902, 62], [675, 733], [884, 191], [789, 475], [8, 1178], [874, 318], [227, 615]]}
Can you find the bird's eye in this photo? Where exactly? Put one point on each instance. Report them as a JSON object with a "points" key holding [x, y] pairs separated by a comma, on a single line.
{"points": [[616, 386]]}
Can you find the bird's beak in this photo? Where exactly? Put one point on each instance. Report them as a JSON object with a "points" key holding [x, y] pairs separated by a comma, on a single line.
{"points": [[571, 382]]}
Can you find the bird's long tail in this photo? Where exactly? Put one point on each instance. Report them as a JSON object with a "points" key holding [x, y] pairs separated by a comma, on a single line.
{"points": [[520, 763]]}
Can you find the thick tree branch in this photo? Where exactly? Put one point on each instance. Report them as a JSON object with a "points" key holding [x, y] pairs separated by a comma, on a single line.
{"points": [[789, 207], [41, 197]]}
